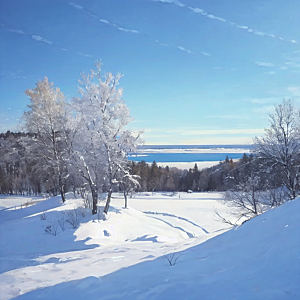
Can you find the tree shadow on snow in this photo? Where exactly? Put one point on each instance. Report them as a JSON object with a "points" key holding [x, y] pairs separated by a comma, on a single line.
{"points": [[24, 239], [15, 214]]}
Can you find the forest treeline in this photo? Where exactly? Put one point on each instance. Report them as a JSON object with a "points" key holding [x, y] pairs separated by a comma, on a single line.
{"points": [[220, 177], [21, 174]]}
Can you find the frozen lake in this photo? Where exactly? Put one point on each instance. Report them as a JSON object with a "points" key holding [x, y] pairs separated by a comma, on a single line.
{"points": [[188, 153]]}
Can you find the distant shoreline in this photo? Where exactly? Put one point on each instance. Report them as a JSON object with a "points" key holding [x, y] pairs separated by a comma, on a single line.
{"points": [[185, 156], [224, 146], [189, 165]]}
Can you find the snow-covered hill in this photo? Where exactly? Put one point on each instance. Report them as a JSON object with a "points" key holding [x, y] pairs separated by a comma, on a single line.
{"points": [[126, 256]]}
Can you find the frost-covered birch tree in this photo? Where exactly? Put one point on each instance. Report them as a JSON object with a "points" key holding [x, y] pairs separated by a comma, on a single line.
{"points": [[103, 140], [46, 118], [86, 153], [279, 148]]}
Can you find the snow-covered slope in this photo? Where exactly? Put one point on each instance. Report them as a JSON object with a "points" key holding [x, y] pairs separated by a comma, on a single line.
{"points": [[125, 257]]}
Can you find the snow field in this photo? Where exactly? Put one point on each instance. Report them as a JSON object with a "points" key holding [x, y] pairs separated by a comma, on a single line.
{"points": [[123, 257]]}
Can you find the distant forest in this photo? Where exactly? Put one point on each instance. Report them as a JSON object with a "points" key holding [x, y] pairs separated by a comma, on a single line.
{"points": [[221, 177], [21, 173]]}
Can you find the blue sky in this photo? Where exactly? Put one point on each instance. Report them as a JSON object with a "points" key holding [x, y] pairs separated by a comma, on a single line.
{"points": [[195, 72]]}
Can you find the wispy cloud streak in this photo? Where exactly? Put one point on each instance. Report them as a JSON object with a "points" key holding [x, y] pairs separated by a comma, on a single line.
{"points": [[41, 39], [95, 17], [202, 12], [264, 64], [185, 50], [215, 131]]}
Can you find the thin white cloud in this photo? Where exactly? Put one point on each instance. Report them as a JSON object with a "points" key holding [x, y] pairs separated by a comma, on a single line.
{"points": [[134, 31], [104, 21], [205, 14], [211, 16], [259, 33], [128, 30], [266, 100], [226, 117], [17, 31], [216, 18], [118, 27], [176, 2], [294, 90], [264, 64], [41, 39], [197, 10], [264, 110], [270, 73], [241, 26], [85, 55], [162, 44], [76, 5], [123, 29], [185, 50], [215, 131]]}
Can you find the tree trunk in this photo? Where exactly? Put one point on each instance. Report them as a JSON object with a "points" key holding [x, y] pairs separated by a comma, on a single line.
{"points": [[125, 196], [106, 208], [95, 200], [61, 189], [62, 193]]}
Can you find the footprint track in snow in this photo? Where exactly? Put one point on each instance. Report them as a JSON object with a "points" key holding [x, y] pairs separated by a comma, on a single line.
{"points": [[177, 217]]}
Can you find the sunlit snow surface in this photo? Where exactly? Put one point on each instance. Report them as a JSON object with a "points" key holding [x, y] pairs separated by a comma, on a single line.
{"points": [[123, 257]]}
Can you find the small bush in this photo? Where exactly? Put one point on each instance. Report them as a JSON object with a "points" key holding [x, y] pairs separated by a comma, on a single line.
{"points": [[62, 221], [52, 228], [172, 258], [43, 216], [73, 218]]}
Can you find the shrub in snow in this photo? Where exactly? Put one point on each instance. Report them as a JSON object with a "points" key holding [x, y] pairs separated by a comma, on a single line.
{"points": [[81, 211], [62, 221], [52, 228], [218, 217], [245, 201], [275, 197], [172, 258], [43, 216], [73, 218]]}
